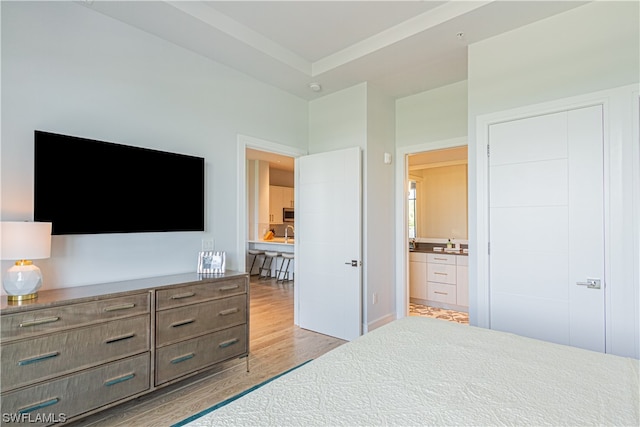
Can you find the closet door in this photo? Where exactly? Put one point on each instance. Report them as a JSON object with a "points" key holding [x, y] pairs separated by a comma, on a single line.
{"points": [[546, 227]]}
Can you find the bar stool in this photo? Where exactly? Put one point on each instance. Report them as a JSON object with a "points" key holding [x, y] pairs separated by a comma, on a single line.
{"points": [[256, 253], [288, 256], [269, 256]]}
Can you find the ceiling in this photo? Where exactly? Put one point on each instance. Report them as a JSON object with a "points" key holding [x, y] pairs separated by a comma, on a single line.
{"points": [[276, 161], [437, 158], [401, 47]]}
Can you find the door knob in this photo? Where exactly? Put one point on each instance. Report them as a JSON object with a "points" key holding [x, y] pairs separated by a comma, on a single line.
{"points": [[353, 263], [590, 283]]}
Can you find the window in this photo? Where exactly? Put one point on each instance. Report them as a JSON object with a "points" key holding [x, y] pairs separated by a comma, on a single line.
{"points": [[412, 210]]}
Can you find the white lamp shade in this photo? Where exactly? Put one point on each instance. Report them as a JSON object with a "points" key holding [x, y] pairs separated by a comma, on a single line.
{"points": [[25, 240]]}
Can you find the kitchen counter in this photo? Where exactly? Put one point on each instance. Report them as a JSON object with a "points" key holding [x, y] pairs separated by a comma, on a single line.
{"points": [[277, 243]]}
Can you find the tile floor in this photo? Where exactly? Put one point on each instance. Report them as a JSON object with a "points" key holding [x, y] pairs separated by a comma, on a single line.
{"points": [[438, 313]]}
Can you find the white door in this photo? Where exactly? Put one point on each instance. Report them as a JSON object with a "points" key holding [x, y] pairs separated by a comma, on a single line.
{"points": [[546, 227], [328, 236]]}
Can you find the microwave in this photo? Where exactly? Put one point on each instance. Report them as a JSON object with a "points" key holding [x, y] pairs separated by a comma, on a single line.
{"points": [[287, 214]]}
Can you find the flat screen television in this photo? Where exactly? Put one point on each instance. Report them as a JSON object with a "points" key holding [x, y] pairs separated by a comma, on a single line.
{"points": [[84, 186]]}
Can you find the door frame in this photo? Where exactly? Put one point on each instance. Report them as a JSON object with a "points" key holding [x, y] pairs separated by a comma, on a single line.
{"points": [[615, 130], [244, 142], [635, 122], [402, 221]]}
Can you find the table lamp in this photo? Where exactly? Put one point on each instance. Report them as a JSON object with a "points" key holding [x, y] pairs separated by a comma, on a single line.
{"points": [[24, 241]]}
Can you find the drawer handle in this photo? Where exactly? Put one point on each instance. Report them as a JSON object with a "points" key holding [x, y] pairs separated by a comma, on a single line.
{"points": [[120, 307], [182, 323], [37, 322], [184, 295], [228, 288], [183, 358], [123, 378], [440, 259], [38, 405], [120, 338], [440, 274], [38, 358], [440, 293], [229, 311], [228, 343]]}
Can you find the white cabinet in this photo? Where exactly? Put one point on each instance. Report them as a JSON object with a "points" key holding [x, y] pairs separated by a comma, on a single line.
{"points": [[287, 197], [441, 278], [275, 204], [279, 198], [418, 275], [448, 280]]}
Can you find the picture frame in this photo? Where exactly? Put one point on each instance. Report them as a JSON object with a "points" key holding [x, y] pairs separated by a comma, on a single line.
{"points": [[211, 262]]}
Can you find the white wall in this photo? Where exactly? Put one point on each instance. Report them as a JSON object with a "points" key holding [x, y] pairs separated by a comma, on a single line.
{"points": [[435, 115], [379, 232], [362, 116], [588, 49], [68, 69], [430, 120], [339, 120]]}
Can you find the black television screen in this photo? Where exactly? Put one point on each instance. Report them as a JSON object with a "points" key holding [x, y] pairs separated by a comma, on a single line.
{"points": [[85, 186]]}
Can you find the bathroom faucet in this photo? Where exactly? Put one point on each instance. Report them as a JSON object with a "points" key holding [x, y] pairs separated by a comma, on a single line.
{"points": [[286, 232]]}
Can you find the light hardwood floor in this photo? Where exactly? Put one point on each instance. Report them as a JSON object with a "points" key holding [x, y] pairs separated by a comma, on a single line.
{"points": [[276, 345]]}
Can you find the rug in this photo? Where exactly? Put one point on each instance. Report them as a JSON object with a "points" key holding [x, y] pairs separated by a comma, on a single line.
{"points": [[438, 313], [236, 397]]}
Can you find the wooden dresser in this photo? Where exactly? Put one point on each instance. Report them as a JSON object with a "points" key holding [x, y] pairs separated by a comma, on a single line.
{"points": [[75, 351]]}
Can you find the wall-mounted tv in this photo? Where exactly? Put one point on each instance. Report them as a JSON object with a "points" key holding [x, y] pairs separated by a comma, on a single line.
{"points": [[84, 186]]}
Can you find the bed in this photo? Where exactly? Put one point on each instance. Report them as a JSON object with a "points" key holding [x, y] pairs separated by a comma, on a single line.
{"points": [[422, 371]]}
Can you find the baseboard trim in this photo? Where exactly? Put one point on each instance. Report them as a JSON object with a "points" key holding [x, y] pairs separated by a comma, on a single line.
{"points": [[381, 321]]}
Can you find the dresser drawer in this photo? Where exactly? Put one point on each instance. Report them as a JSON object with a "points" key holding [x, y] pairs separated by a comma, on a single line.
{"points": [[184, 295], [46, 321], [441, 292], [27, 361], [75, 394], [443, 273], [182, 358], [441, 259], [190, 321]]}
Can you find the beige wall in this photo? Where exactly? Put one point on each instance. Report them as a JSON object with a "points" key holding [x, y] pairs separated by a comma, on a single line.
{"points": [[442, 202]]}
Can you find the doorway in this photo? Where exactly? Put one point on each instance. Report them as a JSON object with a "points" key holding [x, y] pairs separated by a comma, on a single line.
{"points": [[270, 190], [247, 147], [437, 229], [429, 156]]}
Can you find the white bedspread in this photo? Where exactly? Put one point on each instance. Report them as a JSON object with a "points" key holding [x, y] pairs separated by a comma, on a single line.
{"points": [[420, 371]]}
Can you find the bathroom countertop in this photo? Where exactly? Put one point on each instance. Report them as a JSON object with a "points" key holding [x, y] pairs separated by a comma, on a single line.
{"points": [[429, 248]]}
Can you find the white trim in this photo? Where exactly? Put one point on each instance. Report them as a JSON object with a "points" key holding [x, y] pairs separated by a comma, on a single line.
{"points": [[438, 165], [635, 120], [375, 324], [402, 239], [245, 142], [480, 250], [611, 100]]}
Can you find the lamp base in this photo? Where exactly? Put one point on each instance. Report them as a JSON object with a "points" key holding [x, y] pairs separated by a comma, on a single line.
{"points": [[22, 281], [19, 298]]}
